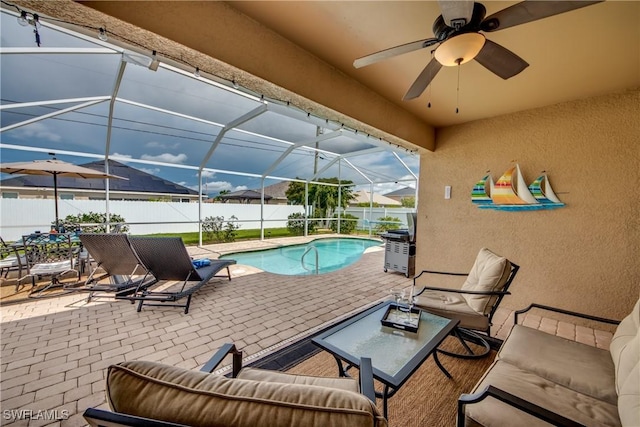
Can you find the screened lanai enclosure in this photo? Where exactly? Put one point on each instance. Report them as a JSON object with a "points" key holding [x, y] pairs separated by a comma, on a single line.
{"points": [[84, 98]]}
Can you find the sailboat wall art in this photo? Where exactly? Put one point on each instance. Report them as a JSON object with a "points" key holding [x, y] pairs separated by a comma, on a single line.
{"points": [[511, 193]]}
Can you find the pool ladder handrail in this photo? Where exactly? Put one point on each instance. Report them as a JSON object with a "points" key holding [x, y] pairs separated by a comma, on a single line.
{"points": [[309, 248]]}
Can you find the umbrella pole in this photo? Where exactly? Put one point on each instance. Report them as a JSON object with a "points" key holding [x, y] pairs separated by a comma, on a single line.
{"points": [[55, 197]]}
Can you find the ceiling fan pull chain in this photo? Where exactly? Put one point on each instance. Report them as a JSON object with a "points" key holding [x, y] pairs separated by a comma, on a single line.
{"points": [[458, 88]]}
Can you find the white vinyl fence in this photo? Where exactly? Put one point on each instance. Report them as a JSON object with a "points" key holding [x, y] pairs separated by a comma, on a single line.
{"points": [[24, 216]]}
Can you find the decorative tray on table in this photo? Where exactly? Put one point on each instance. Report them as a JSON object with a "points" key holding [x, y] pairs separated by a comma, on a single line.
{"points": [[399, 317]]}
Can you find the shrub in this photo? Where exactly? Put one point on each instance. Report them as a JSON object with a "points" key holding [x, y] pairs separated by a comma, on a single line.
{"points": [[295, 224], [387, 223], [347, 224], [71, 223], [215, 229]]}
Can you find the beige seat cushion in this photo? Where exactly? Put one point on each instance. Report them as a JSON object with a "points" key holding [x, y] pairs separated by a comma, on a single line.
{"points": [[254, 374], [453, 305], [580, 367], [194, 398], [549, 395], [489, 273]]}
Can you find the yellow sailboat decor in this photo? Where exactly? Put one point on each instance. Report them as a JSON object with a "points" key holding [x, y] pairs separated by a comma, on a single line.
{"points": [[510, 192]]}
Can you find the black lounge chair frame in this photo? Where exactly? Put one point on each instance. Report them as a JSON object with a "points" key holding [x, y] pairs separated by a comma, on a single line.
{"points": [[167, 259], [119, 262], [99, 418]]}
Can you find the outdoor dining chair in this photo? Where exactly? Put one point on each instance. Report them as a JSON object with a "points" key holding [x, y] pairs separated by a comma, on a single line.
{"points": [[11, 260], [118, 268], [52, 255], [474, 304], [167, 259]]}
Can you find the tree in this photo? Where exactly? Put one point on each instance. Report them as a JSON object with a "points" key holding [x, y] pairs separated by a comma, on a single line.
{"points": [[218, 198], [323, 198], [295, 192]]}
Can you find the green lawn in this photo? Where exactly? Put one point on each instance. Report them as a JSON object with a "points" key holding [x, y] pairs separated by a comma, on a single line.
{"points": [[254, 234]]}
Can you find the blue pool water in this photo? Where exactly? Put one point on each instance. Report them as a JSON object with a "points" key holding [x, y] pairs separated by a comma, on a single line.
{"points": [[333, 254]]}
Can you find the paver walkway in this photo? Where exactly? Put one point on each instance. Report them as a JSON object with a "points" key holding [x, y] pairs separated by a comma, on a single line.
{"points": [[54, 352]]}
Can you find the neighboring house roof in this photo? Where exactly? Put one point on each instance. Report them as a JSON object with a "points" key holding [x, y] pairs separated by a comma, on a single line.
{"points": [[137, 181], [277, 191], [362, 196], [402, 192], [244, 195]]}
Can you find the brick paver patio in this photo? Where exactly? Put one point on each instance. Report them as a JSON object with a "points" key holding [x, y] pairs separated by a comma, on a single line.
{"points": [[54, 352]]}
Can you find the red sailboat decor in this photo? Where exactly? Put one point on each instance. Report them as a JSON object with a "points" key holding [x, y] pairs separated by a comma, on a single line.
{"points": [[511, 193]]}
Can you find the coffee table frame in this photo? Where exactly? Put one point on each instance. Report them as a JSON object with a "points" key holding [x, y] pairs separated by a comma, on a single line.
{"points": [[392, 383]]}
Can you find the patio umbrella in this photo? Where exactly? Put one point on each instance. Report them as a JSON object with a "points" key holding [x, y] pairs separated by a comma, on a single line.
{"points": [[56, 168]]}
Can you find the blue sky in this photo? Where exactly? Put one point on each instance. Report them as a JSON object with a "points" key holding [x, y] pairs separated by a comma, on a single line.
{"points": [[171, 146]]}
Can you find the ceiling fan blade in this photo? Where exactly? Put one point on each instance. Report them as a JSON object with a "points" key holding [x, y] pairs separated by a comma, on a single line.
{"points": [[500, 60], [423, 80], [455, 10], [394, 51], [528, 11]]}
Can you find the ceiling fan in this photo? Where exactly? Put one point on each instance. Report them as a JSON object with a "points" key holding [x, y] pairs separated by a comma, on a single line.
{"points": [[457, 34]]}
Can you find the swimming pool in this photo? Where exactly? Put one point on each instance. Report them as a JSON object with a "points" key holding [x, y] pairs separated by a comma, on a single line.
{"points": [[333, 254]]}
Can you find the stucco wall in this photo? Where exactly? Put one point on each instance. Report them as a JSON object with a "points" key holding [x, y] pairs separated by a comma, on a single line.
{"points": [[584, 256]]}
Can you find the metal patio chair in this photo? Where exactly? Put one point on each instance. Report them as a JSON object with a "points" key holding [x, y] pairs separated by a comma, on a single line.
{"points": [[474, 304], [118, 268], [167, 259], [11, 260], [51, 255]]}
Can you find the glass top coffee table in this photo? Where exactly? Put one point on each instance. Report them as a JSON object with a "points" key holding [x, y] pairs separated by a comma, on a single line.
{"points": [[395, 354]]}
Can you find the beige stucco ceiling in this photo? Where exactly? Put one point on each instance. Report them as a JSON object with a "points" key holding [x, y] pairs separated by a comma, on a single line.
{"points": [[302, 52], [586, 52]]}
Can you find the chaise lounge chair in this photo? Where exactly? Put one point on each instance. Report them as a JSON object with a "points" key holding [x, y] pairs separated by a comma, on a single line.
{"points": [[118, 263], [151, 394], [168, 259]]}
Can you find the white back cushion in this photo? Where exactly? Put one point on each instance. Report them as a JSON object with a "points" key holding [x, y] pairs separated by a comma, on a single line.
{"points": [[489, 273]]}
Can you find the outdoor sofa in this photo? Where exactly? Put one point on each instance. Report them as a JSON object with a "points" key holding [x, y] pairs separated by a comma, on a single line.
{"points": [[538, 376]]}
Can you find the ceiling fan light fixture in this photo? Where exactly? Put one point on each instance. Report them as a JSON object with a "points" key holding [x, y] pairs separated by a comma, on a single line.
{"points": [[459, 49]]}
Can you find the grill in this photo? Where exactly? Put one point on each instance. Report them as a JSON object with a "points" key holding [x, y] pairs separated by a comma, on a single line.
{"points": [[400, 248]]}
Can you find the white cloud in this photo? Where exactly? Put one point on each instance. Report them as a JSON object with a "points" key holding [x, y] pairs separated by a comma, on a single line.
{"points": [[118, 156], [186, 184], [217, 186], [39, 131], [151, 171], [207, 174], [166, 158], [387, 187]]}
